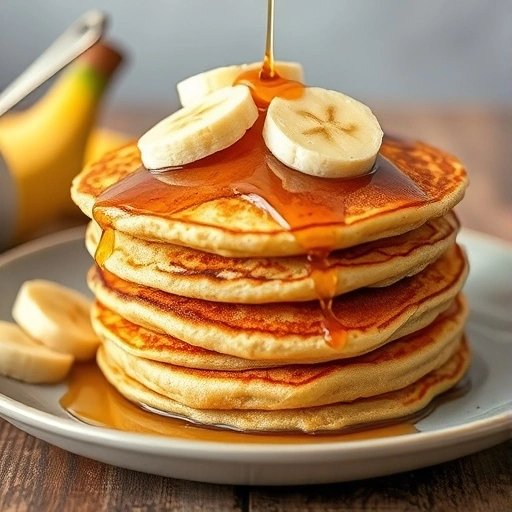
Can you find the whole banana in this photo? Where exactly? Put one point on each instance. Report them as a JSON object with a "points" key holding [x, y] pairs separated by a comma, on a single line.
{"points": [[43, 146]]}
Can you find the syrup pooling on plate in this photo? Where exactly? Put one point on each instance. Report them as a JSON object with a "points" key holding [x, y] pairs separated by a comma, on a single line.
{"points": [[91, 399]]}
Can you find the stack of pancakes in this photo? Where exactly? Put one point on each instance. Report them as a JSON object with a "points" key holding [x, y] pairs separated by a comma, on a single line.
{"points": [[214, 317]]}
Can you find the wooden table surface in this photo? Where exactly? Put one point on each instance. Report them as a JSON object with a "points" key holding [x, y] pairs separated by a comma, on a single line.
{"points": [[35, 476]]}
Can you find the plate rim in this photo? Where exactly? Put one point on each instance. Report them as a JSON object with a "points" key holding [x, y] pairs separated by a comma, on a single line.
{"points": [[35, 418], [162, 445]]}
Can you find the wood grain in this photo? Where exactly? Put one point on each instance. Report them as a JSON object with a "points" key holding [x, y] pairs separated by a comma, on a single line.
{"points": [[35, 476], [479, 483]]}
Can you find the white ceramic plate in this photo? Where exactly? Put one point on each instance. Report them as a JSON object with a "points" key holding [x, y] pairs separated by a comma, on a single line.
{"points": [[478, 420]]}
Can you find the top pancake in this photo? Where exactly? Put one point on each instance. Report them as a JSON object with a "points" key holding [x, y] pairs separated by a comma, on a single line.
{"points": [[426, 183]]}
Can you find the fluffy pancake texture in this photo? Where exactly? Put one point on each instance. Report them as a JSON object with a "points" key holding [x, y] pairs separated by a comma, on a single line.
{"points": [[393, 366], [157, 346], [290, 331], [334, 417], [196, 274], [234, 226]]}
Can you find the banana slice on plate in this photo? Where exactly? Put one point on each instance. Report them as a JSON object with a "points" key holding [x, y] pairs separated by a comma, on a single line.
{"points": [[25, 359], [57, 317], [195, 87], [323, 133], [214, 123]]}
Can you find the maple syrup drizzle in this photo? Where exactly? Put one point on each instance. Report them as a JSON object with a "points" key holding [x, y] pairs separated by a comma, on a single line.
{"points": [[91, 399], [325, 283], [105, 246], [265, 83], [264, 90]]}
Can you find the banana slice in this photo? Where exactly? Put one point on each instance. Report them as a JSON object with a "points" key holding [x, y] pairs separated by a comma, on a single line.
{"points": [[214, 123], [56, 316], [195, 87], [323, 133], [25, 359]]}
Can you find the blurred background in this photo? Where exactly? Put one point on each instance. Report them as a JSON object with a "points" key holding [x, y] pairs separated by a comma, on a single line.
{"points": [[436, 70], [406, 51]]}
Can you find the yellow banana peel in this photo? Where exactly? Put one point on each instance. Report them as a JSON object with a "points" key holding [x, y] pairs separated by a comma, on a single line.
{"points": [[44, 146]]}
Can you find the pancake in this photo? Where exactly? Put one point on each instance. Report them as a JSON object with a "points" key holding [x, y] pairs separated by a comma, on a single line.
{"points": [[192, 273], [141, 342], [290, 331], [99, 175], [393, 366], [148, 344], [393, 405], [426, 183]]}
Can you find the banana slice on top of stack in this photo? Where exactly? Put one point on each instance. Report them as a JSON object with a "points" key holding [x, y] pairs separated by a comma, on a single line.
{"points": [[322, 132], [198, 86], [214, 123], [52, 330]]}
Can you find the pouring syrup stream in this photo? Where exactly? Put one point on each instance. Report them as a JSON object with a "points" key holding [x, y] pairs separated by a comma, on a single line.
{"points": [[268, 71]]}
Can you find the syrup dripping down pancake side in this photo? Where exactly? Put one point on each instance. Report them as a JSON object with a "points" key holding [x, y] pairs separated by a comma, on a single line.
{"points": [[419, 183], [393, 366], [371, 317], [197, 274]]}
